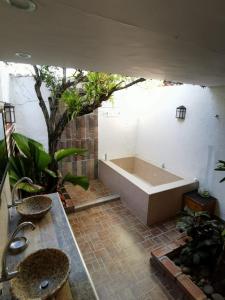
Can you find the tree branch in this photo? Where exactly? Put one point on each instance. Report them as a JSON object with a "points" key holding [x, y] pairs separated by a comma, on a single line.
{"points": [[129, 84], [89, 108], [80, 77]]}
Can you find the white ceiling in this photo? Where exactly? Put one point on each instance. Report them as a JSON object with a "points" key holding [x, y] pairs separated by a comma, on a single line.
{"points": [[162, 39]]}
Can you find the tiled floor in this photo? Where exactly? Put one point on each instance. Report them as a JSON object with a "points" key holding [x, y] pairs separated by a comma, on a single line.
{"points": [[116, 248], [80, 196]]}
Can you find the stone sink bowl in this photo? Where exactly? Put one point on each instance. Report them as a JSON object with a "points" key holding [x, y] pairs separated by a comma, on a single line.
{"points": [[34, 207], [41, 275]]}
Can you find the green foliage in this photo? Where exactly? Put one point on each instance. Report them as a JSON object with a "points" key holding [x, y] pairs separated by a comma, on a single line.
{"points": [[99, 83], [3, 157], [221, 167], [93, 86], [76, 180], [73, 100], [51, 76], [34, 162], [206, 238], [62, 153]]}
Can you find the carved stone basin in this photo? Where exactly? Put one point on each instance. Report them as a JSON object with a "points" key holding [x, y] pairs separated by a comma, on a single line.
{"points": [[34, 207], [41, 274]]}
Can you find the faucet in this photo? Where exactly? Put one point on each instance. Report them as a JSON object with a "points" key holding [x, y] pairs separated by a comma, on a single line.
{"points": [[6, 275], [14, 203]]}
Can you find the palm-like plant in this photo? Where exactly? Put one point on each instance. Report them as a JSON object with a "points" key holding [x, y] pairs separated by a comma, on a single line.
{"points": [[33, 161]]}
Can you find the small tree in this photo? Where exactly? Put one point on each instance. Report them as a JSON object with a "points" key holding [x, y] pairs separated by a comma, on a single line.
{"points": [[80, 94]]}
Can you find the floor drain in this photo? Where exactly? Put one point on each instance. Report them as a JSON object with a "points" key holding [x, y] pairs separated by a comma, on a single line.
{"points": [[44, 284]]}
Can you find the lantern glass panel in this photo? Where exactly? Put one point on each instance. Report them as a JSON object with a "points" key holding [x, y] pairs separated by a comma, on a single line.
{"points": [[12, 114], [7, 115]]}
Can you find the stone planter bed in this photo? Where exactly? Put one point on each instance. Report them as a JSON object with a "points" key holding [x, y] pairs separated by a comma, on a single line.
{"points": [[162, 257]]}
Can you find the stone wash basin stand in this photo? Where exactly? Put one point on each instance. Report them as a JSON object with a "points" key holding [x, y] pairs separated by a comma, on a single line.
{"points": [[52, 231]]}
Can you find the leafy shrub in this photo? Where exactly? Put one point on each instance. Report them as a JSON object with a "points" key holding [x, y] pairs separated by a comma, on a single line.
{"points": [[31, 160], [207, 238]]}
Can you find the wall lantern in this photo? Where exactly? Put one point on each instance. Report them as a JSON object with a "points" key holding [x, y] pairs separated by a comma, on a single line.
{"points": [[181, 112], [9, 112]]}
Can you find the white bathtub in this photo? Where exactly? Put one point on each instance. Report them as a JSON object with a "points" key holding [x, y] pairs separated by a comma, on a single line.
{"points": [[151, 193]]}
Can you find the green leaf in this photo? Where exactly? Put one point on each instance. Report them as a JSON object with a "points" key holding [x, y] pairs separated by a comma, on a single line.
{"points": [[41, 158], [222, 180], [222, 168], [20, 165], [202, 214], [30, 188], [50, 172], [22, 143], [3, 157], [62, 153], [77, 180], [13, 177]]}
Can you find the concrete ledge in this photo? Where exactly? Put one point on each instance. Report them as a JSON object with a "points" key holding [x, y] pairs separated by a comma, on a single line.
{"points": [[97, 202]]}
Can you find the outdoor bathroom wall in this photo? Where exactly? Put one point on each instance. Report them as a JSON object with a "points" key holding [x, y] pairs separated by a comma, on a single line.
{"points": [[118, 124], [81, 132], [4, 84], [29, 117], [189, 147]]}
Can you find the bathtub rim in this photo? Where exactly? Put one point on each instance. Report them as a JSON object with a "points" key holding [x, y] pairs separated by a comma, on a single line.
{"points": [[143, 185]]}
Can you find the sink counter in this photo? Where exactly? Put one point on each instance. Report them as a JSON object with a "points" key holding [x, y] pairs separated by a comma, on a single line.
{"points": [[54, 231]]}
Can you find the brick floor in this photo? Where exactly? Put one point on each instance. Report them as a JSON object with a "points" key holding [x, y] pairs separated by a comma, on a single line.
{"points": [[79, 196], [116, 248]]}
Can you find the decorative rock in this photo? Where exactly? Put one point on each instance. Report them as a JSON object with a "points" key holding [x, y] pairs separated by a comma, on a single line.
{"points": [[208, 289], [217, 297], [201, 282], [186, 270]]}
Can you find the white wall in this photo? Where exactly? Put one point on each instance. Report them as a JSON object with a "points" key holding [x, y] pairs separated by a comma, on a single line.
{"points": [[189, 148], [4, 84], [117, 121], [29, 117]]}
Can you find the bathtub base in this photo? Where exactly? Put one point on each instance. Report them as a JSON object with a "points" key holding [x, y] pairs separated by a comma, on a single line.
{"points": [[150, 204]]}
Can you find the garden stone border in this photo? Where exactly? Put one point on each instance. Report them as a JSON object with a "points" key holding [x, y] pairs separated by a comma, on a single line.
{"points": [[161, 257]]}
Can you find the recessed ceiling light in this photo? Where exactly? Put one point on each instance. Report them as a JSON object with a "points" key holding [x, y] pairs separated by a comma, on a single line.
{"points": [[27, 5], [23, 55]]}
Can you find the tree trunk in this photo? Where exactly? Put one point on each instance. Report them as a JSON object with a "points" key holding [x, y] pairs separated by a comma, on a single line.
{"points": [[52, 144]]}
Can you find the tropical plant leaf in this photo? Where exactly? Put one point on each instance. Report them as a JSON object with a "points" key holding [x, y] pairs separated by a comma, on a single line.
{"points": [[41, 158], [13, 177], [222, 180], [222, 168], [77, 180], [22, 143], [29, 187], [3, 156], [50, 172], [20, 165], [62, 153]]}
